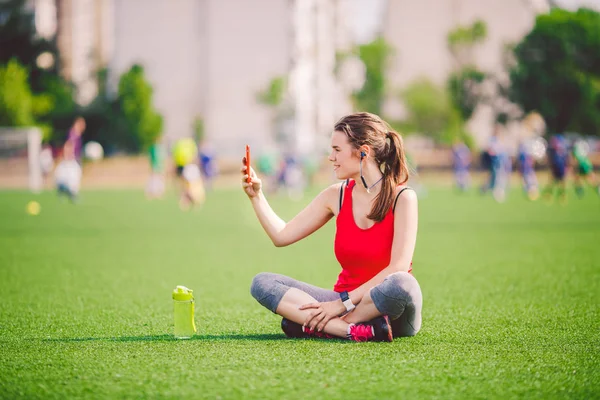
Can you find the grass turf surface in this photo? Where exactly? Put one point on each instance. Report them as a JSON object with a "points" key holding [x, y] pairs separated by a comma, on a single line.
{"points": [[511, 302]]}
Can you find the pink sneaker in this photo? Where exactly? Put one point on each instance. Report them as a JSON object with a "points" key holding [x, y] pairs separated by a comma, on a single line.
{"points": [[376, 330], [361, 333]]}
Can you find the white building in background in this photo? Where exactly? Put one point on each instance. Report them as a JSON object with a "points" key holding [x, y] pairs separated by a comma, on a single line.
{"points": [[85, 37], [170, 40], [211, 58], [248, 44], [318, 97]]}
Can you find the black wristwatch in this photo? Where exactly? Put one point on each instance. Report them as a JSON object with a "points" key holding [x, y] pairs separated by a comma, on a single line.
{"points": [[346, 301]]}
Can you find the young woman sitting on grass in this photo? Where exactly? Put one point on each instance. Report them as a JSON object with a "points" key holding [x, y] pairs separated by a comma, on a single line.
{"points": [[375, 298]]}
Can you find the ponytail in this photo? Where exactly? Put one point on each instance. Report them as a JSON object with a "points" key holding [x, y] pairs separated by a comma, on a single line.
{"points": [[395, 172]]}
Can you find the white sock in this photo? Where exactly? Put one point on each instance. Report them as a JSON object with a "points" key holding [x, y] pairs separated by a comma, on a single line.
{"points": [[348, 331]]}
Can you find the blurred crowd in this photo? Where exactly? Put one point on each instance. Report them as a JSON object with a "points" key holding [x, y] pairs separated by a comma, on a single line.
{"points": [[565, 155]]}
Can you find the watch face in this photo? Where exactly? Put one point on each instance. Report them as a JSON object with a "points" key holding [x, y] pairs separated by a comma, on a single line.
{"points": [[344, 296]]}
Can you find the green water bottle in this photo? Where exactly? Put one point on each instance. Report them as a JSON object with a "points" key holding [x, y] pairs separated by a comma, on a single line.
{"points": [[183, 308]]}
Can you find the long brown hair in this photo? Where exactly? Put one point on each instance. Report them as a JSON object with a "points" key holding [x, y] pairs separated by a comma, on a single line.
{"points": [[369, 129]]}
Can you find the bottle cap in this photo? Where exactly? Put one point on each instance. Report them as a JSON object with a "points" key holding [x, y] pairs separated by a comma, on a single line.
{"points": [[181, 293]]}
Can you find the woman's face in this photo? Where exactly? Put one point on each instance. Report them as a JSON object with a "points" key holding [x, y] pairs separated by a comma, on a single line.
{"points": [[344, 157]]}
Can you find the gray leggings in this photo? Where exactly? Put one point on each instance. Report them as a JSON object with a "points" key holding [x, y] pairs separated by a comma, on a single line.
{"points": [[398, 296]]}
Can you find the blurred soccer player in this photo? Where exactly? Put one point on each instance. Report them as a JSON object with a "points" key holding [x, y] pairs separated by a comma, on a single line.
{"points": [[584, 170], [73, 144], [192, 193], [558, 161], [185, 156], [461, 156], [526, 168], [208, 163], [67, 175], [497, 164]]}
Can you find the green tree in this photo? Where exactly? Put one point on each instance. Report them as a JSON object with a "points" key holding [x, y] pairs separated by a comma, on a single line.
{"points": [[375, 56], [463, 88], [557, 71], [462, 41], [432, 113], [104, 122], [16, 99], [18, 105], [139, 122], [428, 108], [273, 95], [274, 98], [53, 100], [464, 83]]}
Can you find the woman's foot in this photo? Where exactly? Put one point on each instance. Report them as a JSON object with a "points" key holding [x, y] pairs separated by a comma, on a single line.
{"points": [[294, 330], [376, 330]]}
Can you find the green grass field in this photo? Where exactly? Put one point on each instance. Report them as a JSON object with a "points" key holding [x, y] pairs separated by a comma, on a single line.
{"points": [[511, 302]]}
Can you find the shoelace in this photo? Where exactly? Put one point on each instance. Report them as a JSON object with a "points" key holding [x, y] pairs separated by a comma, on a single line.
{"points": [[361, 333]]}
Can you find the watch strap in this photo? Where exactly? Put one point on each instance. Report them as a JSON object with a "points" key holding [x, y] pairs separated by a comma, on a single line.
{"points": [[346, 301]]}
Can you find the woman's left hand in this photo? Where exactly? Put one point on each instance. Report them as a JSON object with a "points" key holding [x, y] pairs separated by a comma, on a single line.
{"points": [[322, 313]]}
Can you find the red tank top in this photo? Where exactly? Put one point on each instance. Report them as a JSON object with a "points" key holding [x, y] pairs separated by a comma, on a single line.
{"points": [[362, 253]]}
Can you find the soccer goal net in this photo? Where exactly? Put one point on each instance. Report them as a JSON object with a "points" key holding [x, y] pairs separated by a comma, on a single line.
{"points": [[20, 161]]}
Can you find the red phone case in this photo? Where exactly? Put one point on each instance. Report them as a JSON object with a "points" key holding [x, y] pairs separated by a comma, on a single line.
{"points": [[248, 163]]}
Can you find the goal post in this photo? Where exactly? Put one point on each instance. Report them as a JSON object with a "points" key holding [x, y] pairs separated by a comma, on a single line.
{"points": [[20, 150]]}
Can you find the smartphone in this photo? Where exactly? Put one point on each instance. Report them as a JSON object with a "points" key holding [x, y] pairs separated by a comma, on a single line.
{"points": [[248, 163]]}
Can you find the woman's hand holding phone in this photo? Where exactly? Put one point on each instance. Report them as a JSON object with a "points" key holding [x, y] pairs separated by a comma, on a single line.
{"points": [[250, 182]]}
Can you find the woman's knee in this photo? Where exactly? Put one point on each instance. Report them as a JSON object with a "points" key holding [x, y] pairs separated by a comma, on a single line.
{"points": [[268, 289], [408, 324], [402, 285], [261, 284]]}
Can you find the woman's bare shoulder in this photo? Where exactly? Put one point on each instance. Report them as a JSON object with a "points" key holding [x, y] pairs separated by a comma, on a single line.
{"points": [[404, 194], [404, 189], [331, 196], [333, 191]]}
